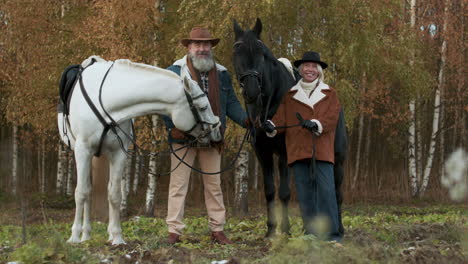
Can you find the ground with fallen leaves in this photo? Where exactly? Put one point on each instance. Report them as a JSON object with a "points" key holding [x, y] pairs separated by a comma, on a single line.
{"points": [[374, 234]]}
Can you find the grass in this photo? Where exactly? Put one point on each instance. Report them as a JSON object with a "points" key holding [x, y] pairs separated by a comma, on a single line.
{"points": [[374, 234]]}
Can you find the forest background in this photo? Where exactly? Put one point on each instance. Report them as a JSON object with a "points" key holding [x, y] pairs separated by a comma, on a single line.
{"points": [[398, 66]]}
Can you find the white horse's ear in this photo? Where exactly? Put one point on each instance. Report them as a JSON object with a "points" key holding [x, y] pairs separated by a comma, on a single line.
{"points": [[184, 72], [187, 85]]}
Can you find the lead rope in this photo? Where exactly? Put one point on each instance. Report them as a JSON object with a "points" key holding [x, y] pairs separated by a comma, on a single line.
{"points": [[231, 166]]}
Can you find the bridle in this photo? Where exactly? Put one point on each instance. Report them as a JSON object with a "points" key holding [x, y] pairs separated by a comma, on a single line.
{"points": [[196, 114], [241, 76]]}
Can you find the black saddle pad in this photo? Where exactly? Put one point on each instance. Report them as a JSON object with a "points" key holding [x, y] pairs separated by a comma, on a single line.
{"points": [[67, 82]]}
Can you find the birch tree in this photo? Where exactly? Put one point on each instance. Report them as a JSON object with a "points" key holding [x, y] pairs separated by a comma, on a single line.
{"points": [[256, 172], [437, 105], [241, 176], [14, 169], [136, 174], [125, 186], [70, 174], [151, 190], [61, 168], [412, 126]]}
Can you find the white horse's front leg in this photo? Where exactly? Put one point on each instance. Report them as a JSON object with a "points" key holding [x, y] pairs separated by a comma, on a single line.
{"points": [[117, 165], [82, 192]]}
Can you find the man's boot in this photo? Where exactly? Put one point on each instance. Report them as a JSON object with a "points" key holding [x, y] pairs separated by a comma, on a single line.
{"points": [[220, 238], [173, 238]]}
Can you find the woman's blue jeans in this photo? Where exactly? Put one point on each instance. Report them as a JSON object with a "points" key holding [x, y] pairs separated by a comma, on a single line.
{"points": [[316, 195]]}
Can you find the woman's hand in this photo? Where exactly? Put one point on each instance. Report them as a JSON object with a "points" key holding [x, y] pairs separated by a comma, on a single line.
{"points": [[268, 126], [310, 125]]}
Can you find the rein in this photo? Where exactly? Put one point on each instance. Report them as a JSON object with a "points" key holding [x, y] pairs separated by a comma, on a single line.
{"points": [[113, 125], [231, 166]]}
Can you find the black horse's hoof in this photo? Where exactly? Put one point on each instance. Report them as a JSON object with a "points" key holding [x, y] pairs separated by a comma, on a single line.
{"points": [[285, 230], [271, 233]]}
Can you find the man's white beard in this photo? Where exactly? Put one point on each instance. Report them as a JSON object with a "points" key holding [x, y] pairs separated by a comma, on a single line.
{"points": [[202, 64]]}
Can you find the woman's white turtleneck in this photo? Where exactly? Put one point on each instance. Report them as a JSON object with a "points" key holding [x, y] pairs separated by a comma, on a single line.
{"points": [[308, 87]]}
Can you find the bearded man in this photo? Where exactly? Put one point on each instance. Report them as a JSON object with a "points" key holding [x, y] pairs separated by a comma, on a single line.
{"points": [[215, 81]]}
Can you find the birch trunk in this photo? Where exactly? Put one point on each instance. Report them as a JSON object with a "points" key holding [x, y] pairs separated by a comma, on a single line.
{"points": [[70, 174], [442, 138], [125, 187], [39, 169], [241, 182], [256, 171], [435, 120], [461, 84], [14, 170], [419, 144], [60, 169], [358, 151], [99, 194], [43, 166], [412, 171], [136, 176], [151, 190], [366, 156]]}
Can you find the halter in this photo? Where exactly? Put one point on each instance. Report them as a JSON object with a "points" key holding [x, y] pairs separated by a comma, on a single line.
{"points": [[195, 113], [259, 77]]}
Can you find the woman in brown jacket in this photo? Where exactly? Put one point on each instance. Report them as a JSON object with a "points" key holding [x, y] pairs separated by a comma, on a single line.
{"points": [[311, 156]]}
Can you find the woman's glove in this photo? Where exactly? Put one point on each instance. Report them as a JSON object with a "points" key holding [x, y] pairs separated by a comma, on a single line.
{"points": [[268, 126], [310, 125]]}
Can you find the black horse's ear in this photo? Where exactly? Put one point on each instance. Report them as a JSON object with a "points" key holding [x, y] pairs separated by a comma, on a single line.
{"points": [[238, 32], [258, 27]]}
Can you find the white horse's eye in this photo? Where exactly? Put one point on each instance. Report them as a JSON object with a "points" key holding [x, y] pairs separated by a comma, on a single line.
{"points": [[203, 108]]}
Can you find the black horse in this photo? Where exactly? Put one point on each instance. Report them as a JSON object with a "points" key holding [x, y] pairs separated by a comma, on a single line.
{"points": [[264, 80]]}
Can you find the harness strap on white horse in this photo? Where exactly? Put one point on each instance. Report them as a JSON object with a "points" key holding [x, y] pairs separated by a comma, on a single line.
{"points": [[96, 112]]}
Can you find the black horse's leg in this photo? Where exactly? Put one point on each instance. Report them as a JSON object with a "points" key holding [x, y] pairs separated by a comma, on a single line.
{"points": [[266, 161], [284, 192], [338, 175], [341, 145]]}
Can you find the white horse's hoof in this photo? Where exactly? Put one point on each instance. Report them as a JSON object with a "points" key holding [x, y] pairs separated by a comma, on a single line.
{"points": [[118, 241], [73, 240]]}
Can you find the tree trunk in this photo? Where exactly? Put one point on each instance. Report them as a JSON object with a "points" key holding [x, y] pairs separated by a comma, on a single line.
{"points": [[136, 175], [43, 167], [367, 156], [151, 190], [412, 171], [100, 178], [125, 187], [242, 182], [358, 150], [61, 165], [70, 174], [256, 171], [14, 170], [461, 137], [39, 170], [435, 120]]}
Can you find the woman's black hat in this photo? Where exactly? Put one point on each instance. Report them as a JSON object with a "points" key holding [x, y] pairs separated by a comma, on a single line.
{"points": [[310, 56]]}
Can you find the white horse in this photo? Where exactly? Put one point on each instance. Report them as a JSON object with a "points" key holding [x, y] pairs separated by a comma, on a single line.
{"points": [[129, 90]]}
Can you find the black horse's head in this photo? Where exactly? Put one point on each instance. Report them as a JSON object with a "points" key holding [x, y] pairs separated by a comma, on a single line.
{"points": [[248, 59]]}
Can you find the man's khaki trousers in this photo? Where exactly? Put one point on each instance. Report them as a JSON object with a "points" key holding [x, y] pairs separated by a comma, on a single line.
{"points": [[210, 161]]}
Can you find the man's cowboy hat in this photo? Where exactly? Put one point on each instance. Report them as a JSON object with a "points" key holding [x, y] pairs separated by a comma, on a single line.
{"points": [[310, 56], [200, 34]]}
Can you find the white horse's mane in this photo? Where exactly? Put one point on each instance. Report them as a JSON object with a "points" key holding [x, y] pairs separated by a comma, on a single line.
{"points": [[142, 66], [130, 64], [88, 60]]}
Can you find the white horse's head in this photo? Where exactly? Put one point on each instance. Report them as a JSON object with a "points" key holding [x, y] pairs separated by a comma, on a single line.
{"points": [[206, 122]]}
